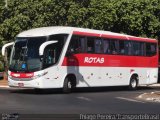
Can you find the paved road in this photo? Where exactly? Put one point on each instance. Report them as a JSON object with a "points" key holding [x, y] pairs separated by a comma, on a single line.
{"points": [[109, 100]]}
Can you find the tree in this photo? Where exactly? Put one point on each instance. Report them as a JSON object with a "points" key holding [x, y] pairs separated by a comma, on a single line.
{"points": [[138, 17], [2, 3], [134, 17]]}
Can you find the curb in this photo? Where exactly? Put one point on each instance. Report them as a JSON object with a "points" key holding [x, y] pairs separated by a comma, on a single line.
{"points": [[4, 86], [150, 97], [152, 85], [4, 83]]}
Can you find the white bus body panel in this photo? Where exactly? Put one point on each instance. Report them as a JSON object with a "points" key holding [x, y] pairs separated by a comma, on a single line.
{"points": [[89, 77]]}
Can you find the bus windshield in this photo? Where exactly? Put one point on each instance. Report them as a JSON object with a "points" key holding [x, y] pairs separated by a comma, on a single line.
{"points": [[25, 54]]}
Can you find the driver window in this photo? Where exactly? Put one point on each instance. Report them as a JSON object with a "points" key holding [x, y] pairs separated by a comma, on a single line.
{"points": [[49, 56]]}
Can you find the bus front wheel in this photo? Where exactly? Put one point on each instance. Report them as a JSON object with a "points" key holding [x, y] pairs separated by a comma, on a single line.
{"points": [[67, 86]]}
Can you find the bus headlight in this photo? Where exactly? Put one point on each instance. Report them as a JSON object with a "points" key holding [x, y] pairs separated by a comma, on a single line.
{"points": [[39, 75]]}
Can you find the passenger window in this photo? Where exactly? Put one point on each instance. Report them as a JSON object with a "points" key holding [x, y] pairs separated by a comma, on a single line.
{"points": [[76, 45], [114, 46], [98, 46], [82, 44], [128, 48], [142, 49], [121, 47], [136, 48], [90, 45], [106, 48], [150, 49]]}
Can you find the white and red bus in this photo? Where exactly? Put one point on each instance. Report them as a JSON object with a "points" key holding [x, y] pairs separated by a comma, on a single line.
{"points": [[67, 57]]}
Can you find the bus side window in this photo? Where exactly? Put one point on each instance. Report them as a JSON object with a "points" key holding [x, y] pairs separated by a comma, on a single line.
{"points": [[128, 48], [114, 46], [151, 49], [82, 44], [90, 45], [73, 45], [121, 47], [98, 46], [142, 49], [138, 48], [76, 45], [106, 48]]}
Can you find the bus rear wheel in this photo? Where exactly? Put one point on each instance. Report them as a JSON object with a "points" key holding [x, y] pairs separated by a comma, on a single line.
{"points": [[133, 83]]}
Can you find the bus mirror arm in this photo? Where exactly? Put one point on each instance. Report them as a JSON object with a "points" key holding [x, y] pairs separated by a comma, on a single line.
{"points": [[5, 46], [44, 45], [41, 57]]}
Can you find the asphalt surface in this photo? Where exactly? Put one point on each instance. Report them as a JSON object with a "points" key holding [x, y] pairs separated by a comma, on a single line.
{"points": [[108, 100]]}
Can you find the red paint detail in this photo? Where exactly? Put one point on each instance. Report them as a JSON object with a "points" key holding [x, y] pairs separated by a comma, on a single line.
{"points": [[142, 39], [22, 75], [71, 61], [113, 36], [86, 34], [111, 61]]}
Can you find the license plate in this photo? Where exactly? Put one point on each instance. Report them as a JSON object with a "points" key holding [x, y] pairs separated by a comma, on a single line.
{"points": [[20, 84]]}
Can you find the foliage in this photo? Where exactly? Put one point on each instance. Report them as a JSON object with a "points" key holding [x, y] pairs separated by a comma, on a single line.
{"points": [[134, 17], [1, 66]]}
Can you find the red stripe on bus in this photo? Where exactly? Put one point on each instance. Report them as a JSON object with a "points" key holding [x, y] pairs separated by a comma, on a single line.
{"points": [[114, 37], [101, 60], [142, 39], [86, 34]]}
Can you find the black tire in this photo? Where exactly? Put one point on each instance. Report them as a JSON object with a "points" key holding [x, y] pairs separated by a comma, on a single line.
{"points": [[133, 83], [67, 86]]}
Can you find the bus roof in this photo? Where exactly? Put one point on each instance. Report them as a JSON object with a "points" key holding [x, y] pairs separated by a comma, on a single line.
{"points": [[45, 31]]}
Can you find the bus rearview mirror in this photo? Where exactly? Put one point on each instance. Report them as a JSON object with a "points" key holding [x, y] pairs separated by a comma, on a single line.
{"points": [[44, 45], [5, 47]]}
